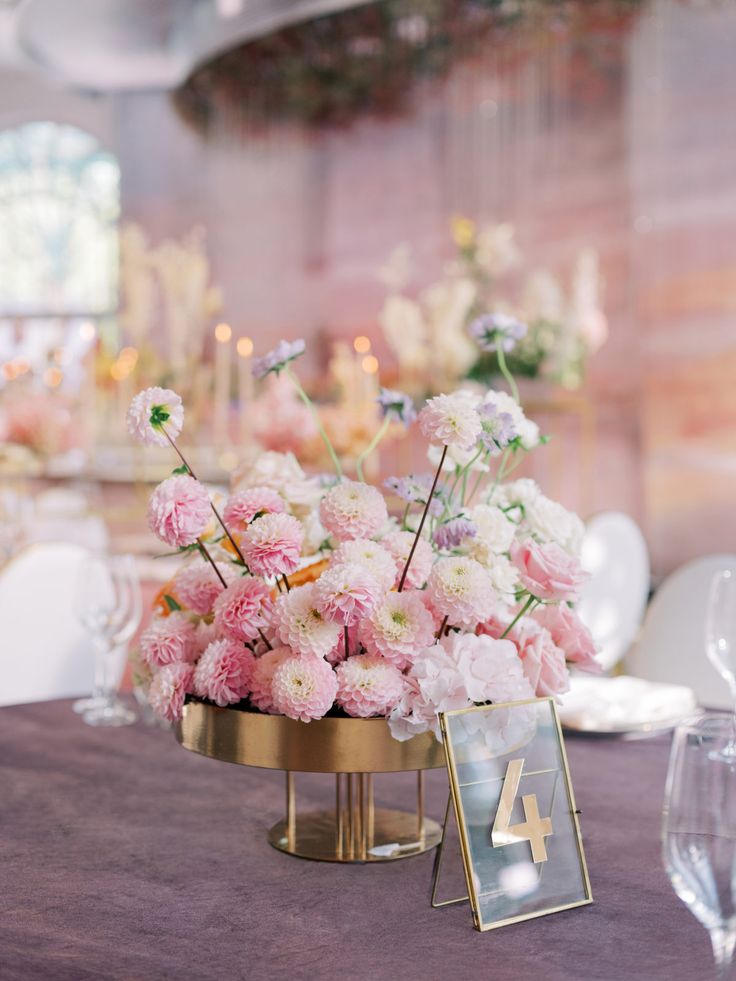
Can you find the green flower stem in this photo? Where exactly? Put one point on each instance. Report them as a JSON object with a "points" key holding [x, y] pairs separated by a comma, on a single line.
{"points": [[525, 609], [424, 518], [315, 415], [481, 477], [405, 515], [461, 473], [212, 505], [505, 369], [500, 474], [371, 447]]}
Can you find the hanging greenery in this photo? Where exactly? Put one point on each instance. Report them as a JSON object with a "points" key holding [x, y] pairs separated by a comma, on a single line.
{"points": [[367, 59]]}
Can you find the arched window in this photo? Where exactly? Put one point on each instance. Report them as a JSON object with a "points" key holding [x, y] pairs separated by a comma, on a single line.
{"points": [[59, 209]]}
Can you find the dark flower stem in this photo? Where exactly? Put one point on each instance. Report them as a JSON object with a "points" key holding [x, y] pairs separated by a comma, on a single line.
{"points": [[442, 628], [206, 554], [423, 519], [264, 639], [345, 628], [214, 509], [286, 583]]}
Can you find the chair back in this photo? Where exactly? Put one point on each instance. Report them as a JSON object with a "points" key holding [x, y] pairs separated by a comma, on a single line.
{"points": [[45, 652]]}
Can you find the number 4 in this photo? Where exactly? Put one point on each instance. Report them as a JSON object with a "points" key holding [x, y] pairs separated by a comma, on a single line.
{"points": [[534, 828]]}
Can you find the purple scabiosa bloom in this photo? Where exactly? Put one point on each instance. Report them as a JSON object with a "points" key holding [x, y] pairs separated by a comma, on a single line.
{"points": [[494, 330], [277, 360], [449, 534], [415, 489], [497, 428], [396, 405]]}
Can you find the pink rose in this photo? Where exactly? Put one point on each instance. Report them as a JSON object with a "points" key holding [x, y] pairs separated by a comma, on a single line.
{"points": [[547, 571], [542, 660], [570, 634]]}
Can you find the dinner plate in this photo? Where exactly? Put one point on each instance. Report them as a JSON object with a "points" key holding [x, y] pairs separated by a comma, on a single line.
{"points": [[624, 707]]}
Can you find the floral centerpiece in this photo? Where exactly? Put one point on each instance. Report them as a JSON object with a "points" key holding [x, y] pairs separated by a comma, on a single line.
{"points": [[303, 596]]}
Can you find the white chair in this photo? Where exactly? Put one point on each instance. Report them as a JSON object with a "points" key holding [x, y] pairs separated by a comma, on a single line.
{"points": [[44, 652], [614, 599], [671, 645]]}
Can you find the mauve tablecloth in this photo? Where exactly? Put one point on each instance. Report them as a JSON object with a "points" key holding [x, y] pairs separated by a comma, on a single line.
{"points": [[123, 856]]}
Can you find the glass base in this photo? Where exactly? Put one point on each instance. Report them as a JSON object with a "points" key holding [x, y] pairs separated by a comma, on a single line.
{"points": [[109, 714], [83, 705]]}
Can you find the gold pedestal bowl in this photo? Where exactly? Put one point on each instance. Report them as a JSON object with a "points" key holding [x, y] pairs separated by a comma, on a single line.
{"points": [[354, 750]]}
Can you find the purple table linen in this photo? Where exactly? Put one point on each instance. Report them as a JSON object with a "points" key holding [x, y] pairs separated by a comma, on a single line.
{"points": [[123, 856]]}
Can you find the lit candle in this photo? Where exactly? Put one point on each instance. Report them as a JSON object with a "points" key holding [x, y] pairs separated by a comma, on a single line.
{"points": [[223, 334], [244, 348]]}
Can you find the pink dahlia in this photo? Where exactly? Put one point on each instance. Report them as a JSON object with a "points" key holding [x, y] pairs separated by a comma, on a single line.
{"points": [[347, 593], [245, 505], [452, 420], [223, 672], [261, 682], [272, 545], [399, 544], [368, 685], [169, 640], [571, 635], [179, 510], [243, 609], [353, 510], [151, 412], [299, 623], [372, 556], [543, 661], [548, 571], [460, 589], [197, 586], [168, 688], [399, 627], [303, 687]]}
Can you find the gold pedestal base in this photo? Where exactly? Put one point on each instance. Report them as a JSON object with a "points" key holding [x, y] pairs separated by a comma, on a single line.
{"points": [[394, 836]]}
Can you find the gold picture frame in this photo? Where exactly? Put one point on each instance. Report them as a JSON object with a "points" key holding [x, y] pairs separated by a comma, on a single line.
{"points": [[514, 870]]}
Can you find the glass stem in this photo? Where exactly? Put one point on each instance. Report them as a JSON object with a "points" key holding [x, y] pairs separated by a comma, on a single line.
{"points": [[723, 942]]}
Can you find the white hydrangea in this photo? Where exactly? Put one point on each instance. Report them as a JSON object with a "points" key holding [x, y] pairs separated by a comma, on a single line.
{"points": [[523, 491]]}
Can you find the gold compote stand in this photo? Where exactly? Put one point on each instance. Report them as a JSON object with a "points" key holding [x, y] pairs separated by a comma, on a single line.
{"points": [[353, 749]]}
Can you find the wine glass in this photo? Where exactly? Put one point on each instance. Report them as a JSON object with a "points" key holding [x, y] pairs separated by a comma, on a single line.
{"points": [[699, 829], [720, 634], [108, 604]]}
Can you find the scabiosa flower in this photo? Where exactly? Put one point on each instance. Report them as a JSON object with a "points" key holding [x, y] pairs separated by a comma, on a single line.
{"points": [[299, 623], [399, 544], [399, 627], [415, 489], [372, 556], [459, 588], [368, 685], [168, 640], [261, 681], [497, 428], [452, 420], [277, 359], [179, 510], [272, 545], [494, 330], [396, 405], [450, 533], [150, 411], [245, 505], [168, 688], [303, 687], [347, 593], [223, 672], [196, 586], [243, 609], [353, 510]]}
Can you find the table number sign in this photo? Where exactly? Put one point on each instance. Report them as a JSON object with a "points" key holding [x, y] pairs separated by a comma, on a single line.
{"points": [[517, 821]]}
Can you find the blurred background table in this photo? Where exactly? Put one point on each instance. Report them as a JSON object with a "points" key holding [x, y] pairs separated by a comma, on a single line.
{"points": [[125, 857]]}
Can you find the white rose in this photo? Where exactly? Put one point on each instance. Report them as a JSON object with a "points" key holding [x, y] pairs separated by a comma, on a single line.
{"points": [[551, 522], [504, 575]]}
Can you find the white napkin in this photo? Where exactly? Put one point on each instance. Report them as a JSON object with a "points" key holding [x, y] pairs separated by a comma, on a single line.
{"points": [[622, 704]]}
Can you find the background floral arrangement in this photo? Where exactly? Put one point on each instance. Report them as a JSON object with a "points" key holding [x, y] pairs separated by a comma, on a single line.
{"points": [[428, 333], [302, 596]]}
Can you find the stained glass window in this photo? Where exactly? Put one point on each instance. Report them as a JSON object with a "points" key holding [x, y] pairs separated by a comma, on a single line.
{"points": [[59, 208]]}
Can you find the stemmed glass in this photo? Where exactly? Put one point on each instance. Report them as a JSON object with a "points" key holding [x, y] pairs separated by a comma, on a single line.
{"points": [[720, 635], [108, 604], [699, 829]]}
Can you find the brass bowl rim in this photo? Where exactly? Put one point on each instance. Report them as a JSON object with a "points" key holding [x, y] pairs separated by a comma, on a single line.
{"points": [[334, 744]]}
